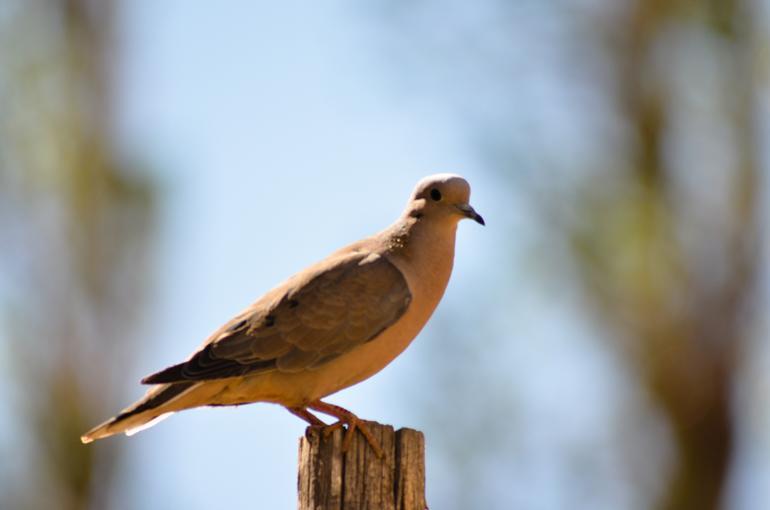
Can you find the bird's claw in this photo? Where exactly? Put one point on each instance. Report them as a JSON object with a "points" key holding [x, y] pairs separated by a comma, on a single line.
{"points": [[352, 421], [351, 431]]}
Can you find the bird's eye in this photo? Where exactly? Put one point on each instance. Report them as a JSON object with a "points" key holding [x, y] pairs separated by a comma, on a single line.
{"points": [[435, 194]]}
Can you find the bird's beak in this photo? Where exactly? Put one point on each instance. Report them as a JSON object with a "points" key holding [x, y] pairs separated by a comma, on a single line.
{"points": [[468, 212]]}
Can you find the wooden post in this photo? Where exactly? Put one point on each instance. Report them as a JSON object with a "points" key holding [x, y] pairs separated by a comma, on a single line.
{"points": [[357, 479]]}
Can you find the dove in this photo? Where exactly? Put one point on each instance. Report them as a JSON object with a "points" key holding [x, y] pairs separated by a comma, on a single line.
{"points": [[328, 327]]}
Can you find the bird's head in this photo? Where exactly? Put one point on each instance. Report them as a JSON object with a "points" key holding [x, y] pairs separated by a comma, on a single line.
{"points": [[442, 197]]}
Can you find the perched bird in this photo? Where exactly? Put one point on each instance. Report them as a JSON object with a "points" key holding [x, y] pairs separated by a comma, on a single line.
{"points": [[336, 323]]}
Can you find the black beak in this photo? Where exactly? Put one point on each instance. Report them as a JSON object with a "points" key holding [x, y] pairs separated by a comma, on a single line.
{"points": [[468, 212]]}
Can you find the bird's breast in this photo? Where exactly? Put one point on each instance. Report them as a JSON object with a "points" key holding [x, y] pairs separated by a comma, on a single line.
{"points": [[427, 279]]}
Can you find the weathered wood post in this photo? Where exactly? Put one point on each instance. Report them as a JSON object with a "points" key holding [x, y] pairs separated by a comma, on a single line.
{"points": [[357, 480]]}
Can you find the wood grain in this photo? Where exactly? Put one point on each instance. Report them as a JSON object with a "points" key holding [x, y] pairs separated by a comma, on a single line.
{"points": [[357, 480]]}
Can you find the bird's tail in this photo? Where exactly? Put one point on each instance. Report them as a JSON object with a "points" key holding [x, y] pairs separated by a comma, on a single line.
{"points": [[145, 413]]}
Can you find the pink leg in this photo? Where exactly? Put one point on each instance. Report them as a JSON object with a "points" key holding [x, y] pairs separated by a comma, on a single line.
{"points": [[306, 415]]}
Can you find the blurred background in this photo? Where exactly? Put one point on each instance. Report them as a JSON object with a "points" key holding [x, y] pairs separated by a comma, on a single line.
{"points": [[603, 343]]}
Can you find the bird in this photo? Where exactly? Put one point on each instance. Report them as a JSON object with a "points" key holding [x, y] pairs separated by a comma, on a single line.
{"points": [[326, 328]]}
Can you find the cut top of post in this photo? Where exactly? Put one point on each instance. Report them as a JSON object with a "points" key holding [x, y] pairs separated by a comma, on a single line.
{"points": [[356, 479]]}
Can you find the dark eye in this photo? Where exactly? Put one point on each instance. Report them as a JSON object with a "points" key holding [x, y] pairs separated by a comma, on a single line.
{"points": [[435, 194]]}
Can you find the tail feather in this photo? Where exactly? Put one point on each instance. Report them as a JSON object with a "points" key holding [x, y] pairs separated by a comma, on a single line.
{"points": [[143, 414]]}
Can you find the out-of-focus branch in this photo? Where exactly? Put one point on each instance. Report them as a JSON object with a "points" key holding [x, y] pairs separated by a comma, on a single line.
{"points": [[78, 224], [686, 325]]}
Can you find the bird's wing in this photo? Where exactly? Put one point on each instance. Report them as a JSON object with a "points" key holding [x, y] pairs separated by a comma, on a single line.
{"points": [[318, 316]]}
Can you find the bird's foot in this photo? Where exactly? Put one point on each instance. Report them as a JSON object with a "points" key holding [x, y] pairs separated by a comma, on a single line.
{"points": [[352, 425], [352, 421]]}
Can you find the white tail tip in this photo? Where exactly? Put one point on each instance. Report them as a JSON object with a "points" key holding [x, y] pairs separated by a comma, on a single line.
{"points": [[131, 432]]}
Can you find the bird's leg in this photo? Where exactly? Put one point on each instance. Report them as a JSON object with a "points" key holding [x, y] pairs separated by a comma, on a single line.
{"points": [[306, 415], [353, 422]]}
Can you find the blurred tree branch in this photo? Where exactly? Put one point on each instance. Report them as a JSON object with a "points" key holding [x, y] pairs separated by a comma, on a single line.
{"points": [[686, 317], [77, 223]]}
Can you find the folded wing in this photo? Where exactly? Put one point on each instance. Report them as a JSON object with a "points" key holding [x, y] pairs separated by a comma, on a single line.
{"points": [[313, 322]]}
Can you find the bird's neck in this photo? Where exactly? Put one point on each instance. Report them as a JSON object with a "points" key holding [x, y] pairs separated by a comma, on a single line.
{"points": [[424, 249]]}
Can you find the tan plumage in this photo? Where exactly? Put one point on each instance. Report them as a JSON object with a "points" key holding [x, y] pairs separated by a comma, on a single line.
{"points": [[326, 328]]}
